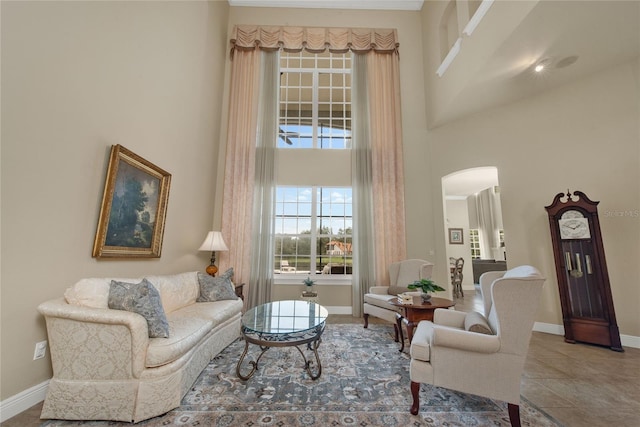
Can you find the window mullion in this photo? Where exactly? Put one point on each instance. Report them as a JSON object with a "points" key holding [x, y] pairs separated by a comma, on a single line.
{"points": [[314, 230], [314, 108]]}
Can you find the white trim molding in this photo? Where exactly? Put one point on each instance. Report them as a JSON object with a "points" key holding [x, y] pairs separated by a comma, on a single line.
{"points": [[550, 328], [453, 52], [22, 401]]}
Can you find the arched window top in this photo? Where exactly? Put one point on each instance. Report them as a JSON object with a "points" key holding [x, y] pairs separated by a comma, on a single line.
{"points": [[314, 39]]}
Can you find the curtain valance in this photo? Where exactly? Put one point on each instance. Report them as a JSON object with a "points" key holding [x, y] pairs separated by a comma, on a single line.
{"points": [[313, 39]]}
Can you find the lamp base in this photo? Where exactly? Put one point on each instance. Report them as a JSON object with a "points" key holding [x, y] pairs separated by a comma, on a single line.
{"points": [[211, 270]]}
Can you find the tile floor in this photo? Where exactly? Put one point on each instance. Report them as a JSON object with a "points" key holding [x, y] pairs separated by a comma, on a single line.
{"points": [[579, 385]]}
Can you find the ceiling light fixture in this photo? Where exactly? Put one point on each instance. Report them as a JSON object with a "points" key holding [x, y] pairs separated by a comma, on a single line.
{"points": [[541, 65]]}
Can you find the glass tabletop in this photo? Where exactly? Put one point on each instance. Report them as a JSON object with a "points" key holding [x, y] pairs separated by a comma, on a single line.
{"points": [[284, 317]]}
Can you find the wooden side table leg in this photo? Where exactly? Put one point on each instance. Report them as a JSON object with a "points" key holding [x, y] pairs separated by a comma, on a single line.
{"points": [[410, 326], [399, 328]]}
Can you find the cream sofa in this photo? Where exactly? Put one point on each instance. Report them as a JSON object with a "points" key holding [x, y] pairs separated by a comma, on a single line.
{"points": [[105, 366]]}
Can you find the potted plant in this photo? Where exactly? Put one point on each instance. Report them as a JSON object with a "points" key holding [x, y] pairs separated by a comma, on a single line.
{"points": [[309, 287], [426, 286]]}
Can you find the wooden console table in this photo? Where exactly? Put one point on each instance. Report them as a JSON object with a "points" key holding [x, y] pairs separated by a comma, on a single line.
{"points": [[414, 313]]}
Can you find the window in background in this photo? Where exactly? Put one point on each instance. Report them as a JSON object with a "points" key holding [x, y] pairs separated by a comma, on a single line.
{"points": [[474, 243], [315, 100], [313, 227]]}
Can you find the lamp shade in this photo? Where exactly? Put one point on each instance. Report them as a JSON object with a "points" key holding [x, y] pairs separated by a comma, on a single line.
{"points": [[214, 242]]}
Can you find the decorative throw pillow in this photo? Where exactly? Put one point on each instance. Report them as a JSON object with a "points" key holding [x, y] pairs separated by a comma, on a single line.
{"points": [[216, 288], [476, 322], [142, 298]]}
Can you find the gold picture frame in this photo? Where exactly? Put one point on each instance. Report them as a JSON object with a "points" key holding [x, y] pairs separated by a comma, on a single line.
{"points": [[134, 207]]}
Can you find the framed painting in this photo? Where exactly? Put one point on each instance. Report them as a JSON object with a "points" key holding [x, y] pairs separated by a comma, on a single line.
{"points": [[134, 207], [455, 236]]}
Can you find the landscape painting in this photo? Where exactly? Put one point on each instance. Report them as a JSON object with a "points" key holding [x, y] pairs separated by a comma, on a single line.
{"points": [[134, 205]]}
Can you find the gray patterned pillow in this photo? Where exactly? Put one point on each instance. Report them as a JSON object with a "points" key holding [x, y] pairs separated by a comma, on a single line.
{"points": [[142, 298], [216, 288]]}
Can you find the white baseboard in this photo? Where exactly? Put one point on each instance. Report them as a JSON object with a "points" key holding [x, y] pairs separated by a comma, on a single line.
{"points": [[339, 309], [22, 401], [550, 328]]}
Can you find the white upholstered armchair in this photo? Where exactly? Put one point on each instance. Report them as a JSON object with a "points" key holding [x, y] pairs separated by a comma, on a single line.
{"points": [[401, 275], [448, 353]]}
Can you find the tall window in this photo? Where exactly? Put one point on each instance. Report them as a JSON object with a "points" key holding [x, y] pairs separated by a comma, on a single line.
{"points": [[313, 224], [313, 227], [315, 100]]}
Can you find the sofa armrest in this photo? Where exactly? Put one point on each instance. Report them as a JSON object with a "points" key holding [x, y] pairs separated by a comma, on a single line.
{"points": [[464, 340], [379, 290], [95, 343], [451, 318]]}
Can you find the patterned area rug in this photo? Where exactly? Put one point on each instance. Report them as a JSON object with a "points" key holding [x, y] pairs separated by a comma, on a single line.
{"points": [[364, 382]]}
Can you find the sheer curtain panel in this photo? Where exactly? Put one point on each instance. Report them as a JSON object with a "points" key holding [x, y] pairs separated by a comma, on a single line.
{"points": [[239, 175]]}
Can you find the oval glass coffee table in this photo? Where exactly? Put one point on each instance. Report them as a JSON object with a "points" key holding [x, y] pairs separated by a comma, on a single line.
{"points": [[283, 324]]}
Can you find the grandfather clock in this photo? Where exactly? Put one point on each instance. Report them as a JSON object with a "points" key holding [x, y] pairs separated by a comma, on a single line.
{"points": [[585, 293]]}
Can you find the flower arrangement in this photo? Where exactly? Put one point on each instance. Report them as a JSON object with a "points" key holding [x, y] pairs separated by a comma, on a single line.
{"points": [[308, 282], [426, 286]]}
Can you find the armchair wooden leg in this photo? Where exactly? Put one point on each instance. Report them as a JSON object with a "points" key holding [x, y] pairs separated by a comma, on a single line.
{"points": [[366, 320], [395, 330], [514, 414], [415, 393]]}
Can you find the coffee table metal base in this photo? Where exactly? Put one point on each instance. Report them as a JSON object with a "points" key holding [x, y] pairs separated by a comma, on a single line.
{"points": [[266, 341]]}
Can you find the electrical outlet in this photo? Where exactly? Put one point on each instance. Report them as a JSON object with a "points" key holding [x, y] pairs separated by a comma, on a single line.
{"points": [[40, 351]]}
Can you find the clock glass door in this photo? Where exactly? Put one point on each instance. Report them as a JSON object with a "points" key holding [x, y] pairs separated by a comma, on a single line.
{"points": [[582, 279]]}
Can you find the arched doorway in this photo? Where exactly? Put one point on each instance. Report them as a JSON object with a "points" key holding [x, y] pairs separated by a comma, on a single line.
{"points": [[473, 221]]}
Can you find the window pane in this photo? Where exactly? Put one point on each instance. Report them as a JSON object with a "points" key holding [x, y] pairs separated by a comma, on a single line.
{"points": [[323, 249], [318, 86]]}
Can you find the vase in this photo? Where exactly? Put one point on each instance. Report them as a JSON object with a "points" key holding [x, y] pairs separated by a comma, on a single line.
{"points": [[425, 297]]}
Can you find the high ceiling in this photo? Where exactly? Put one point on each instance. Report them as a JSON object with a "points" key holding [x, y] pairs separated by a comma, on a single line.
{"points": [[576, 38]]}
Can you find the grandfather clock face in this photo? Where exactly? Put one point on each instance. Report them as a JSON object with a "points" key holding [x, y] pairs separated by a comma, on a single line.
{"points": [[573, 225]]}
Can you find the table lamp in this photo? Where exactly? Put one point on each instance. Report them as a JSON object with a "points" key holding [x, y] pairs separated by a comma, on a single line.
{"points": [[214, 242]]}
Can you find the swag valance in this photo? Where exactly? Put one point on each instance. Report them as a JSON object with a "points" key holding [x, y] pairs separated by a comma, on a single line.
{"points": [[313, 39]]}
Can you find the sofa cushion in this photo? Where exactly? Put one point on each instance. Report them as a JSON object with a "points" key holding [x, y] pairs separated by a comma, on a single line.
{"points": [[142, 298], [92, 292], [185, 332], [217, 311], [216, 288], [382, 301], [476, 322], [176, 290]]}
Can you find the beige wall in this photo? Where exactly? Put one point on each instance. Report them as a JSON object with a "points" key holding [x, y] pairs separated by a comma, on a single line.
{"points": [[78, 77], [582, 136]]}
